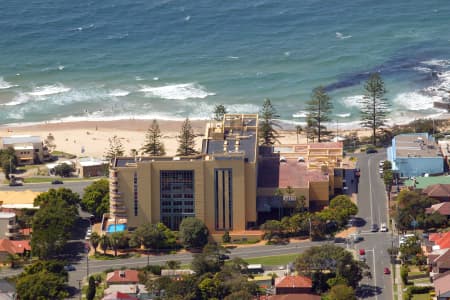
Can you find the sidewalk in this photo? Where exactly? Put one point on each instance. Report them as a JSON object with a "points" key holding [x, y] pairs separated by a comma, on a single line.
{"points": [[398, 281]]}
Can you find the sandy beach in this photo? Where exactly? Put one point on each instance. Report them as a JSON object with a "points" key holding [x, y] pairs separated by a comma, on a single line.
{"points": [[92, 136]]}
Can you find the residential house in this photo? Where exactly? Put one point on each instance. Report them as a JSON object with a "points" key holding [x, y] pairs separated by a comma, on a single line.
{"points": [[135, 290], [293, 284], [8, 227], [440, 208], [119, 296], [291, 297], [439, 262], [442, 286], [10, 247], [415, 154], [122, 277], [91, 167], [176, 274], [441, 240], [439, 192], [28, 149]]}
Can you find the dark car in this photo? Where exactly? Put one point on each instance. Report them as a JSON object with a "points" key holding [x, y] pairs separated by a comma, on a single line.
{"points": [[69, 268], [374, 228], [223, 257], [57, 181], [371, 150], [16, 183]]}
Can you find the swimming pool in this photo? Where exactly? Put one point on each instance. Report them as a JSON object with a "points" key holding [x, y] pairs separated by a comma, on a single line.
{"points": [[116, 227]]}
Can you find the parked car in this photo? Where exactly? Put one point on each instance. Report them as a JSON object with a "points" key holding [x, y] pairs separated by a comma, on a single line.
{"points": [[223, 257], [69, 268], [374, 228], [56, 181], [387, 271], [339, 240], [16, 183], [362, 251], [383, 227], [371, 150]]}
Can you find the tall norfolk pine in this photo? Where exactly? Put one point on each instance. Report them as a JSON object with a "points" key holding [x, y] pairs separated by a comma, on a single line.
{"points": [[319, 109], [267, 134], [374, 107], [153, 145], [186, 140]]}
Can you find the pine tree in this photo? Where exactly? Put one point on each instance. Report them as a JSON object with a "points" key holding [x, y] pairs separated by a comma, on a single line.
{"points": [[319, 109], [115, 148], [267, 134], [374, 107], [219, 112], [186, 140], [153, 145]]}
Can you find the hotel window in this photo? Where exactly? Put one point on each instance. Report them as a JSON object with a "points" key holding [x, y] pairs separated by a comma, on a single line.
{"points": [[135, 189], [176, 187], [223, 199]]}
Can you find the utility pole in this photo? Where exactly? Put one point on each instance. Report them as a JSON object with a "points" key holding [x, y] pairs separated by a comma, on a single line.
{"points": [[79, 287]]}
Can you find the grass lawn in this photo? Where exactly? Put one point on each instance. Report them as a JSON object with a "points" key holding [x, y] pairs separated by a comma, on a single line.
{"points": [[101, 256], [50, 179], [421, 296], [272, 260]]}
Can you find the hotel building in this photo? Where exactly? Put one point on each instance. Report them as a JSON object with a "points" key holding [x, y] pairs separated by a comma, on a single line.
{"points": [[227, 185]]}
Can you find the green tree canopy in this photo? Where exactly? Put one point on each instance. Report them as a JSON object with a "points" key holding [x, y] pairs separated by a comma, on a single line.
{"points": [[43, 280], [115, 148], [329, 261], [219, 112], [186, 140], [193, 233], [153, 145], [341, 292], [64, 170], [319, 109], [96, 198], [374, 106], [153, 236], [268, 114]]}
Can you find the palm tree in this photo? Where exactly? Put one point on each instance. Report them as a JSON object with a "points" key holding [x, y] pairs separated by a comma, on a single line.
{"points": [[104, 243], [95, 240], [114, 241]]}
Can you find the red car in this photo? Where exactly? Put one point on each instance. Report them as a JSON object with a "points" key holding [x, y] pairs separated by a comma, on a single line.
{"points": [[387, 271], [362, 252]]}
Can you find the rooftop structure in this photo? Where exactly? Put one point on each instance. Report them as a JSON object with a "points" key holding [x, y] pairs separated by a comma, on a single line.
{"points": [[415, 154], [18, 200], [440, 208], [122, 277]]}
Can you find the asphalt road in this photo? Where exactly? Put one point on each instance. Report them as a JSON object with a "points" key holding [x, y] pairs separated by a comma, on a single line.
{"points": [[373, 209], [75, 186]]}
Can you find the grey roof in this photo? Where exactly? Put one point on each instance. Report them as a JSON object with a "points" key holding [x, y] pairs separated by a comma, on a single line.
{"points": [[416, 145], [21, 139], [246, 145]]}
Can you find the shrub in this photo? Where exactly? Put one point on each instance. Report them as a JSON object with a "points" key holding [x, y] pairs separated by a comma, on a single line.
{"points": [[404, 274]]}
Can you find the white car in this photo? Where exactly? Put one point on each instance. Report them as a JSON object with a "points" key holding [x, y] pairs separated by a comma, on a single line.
{"points": [[383, 227]]}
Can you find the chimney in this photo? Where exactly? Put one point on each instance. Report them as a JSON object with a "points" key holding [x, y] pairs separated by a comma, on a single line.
{"points": [[122, 274]]}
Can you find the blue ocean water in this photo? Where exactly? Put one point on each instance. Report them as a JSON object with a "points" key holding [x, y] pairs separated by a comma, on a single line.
{"points": [[168, 59]]}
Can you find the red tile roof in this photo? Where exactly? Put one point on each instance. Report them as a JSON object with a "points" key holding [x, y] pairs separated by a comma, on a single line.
{"points": [[293, 297], [128, 276], [442, 208], [437, 190], [119, 296], [296, 175], [294, 282], [14, 247], [441, 239]]}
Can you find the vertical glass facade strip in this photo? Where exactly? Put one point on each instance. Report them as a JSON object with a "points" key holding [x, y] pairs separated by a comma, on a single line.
{"points": [[135, 194], [223, 199], [176, 197]]}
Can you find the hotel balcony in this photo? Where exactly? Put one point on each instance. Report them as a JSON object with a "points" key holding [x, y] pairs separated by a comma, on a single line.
{"points": [[117, 209], [11, 234], [12, 226]]}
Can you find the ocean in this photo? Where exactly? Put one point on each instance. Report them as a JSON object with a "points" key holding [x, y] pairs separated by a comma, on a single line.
{"points": [[116, 59]]}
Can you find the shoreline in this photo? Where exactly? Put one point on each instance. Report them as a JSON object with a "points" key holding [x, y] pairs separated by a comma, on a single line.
{"points": [[91, 138]]}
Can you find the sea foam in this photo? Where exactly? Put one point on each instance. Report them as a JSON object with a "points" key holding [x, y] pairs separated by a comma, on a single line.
{"points": [[46, 90], [5, 84], [118, 93], [177, 91]]}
